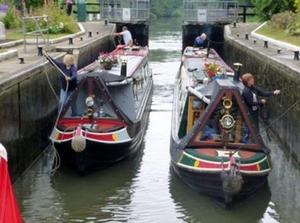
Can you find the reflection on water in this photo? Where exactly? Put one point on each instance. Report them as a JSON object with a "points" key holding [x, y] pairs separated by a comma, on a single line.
{"points": [[142, 188]]}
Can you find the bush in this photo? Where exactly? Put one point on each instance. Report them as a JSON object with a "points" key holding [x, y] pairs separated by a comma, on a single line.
{"points": [[12, 19], [297, 5], [266, 8], [282, 20], [294, 26], [59, 21]]}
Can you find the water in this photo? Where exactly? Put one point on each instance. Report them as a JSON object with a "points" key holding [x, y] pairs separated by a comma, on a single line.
{"points": [[143, 188]]}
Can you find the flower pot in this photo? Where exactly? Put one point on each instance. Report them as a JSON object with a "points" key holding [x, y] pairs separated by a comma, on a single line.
{"points": [[107, 66]]}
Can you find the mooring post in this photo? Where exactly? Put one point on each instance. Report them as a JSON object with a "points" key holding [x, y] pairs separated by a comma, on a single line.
{"points": [[266, 44], [278, 50], [90, 34], [234, 24], [21, 60], [105, 22], [246, 36], [70, 41], [40, 50], [296, 55]]}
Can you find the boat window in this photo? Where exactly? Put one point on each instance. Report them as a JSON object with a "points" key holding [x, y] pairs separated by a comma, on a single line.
{"points": [[98, 107], [195, 108], [226, 124]]}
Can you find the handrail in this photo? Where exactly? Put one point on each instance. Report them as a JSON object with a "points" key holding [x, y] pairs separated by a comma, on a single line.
{"points": [[38, 31]]}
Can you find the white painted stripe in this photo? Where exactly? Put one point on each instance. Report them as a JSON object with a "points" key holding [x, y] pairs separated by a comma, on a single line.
{"points": [[213, 162], [3, 152], [219, 170], [274, 41]]}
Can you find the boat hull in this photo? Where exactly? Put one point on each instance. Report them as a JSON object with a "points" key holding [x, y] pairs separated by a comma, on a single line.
{"points": [[96, 154], [209, 180], [212, 185], [101, 154]]}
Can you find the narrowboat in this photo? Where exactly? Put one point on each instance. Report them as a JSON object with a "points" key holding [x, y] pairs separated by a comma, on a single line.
{"points": [[215, 148], [112, 108]]}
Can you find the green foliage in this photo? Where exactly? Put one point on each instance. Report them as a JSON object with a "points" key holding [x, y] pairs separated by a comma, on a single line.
{"points": [[297, 5], [12, 19], [59, 21], [282, 20], [294, 26], [166, 8], [266, 8]]}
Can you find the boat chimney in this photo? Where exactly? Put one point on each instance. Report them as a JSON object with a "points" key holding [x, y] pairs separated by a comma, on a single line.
{"points": [[237, 71], [124, 67]]}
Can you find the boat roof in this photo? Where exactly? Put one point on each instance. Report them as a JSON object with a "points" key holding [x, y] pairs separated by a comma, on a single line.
{"points": [[133, 55], [213, 87], [106, 76]]}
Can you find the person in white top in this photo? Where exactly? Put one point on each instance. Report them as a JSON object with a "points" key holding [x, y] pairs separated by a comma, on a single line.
{"points": [[127, 37]]}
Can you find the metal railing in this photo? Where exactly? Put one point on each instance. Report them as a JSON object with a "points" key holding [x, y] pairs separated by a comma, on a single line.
{"points": [[216, 11], [38, 31], [125, 11]]}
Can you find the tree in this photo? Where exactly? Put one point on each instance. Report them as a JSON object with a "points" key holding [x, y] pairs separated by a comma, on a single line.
{"points": [[297, 5], [165, 8], [266, 8]]}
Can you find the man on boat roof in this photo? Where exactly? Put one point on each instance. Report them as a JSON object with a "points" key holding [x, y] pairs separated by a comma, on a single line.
{"points": [[200, 40], [127, 37]]}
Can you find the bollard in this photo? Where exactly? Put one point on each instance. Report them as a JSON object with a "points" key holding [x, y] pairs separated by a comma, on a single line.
{"points": [[234, 24], [266, 44], [296, 55], [246, 36], [70, 41], [105, 22], [254, 41], [90, 34], [238, 35], [278, 51], [81, 38], [21, 60], [40, 51], [97, 33]]}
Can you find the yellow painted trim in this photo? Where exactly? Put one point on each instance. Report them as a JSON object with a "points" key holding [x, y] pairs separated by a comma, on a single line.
{"points": [[115, 137], [258, 167], [197, 163]]}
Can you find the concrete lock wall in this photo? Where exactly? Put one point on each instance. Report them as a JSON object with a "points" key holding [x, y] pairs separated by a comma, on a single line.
{"points": [[29, 107], [27, 114], [273, 75]]}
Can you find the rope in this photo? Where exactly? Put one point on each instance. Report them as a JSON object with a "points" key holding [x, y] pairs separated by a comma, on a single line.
{"points": [[56, 161], [273, 121], [49, 82], [67, 83]]}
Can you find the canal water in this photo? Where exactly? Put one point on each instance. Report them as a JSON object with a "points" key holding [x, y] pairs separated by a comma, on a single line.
{"points": [[143, 188]]}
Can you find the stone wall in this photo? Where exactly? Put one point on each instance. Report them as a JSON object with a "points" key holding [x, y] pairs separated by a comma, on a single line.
{"points": [[271, 74], [28, 108]]}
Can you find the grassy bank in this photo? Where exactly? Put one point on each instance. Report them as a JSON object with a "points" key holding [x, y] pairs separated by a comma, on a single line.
{"points": [[280, 35], [18, 34]]}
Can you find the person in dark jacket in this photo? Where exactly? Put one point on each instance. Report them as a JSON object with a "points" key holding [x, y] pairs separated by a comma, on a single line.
{"points": [[200, 41], [251, 95], [70, 75]]}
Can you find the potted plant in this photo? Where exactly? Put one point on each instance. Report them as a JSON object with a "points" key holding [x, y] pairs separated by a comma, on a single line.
{"points": [[212, 69], [106, 61]]}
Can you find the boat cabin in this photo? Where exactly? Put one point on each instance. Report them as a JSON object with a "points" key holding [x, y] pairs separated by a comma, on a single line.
{"points": [[212, 113], [113, 96]]}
